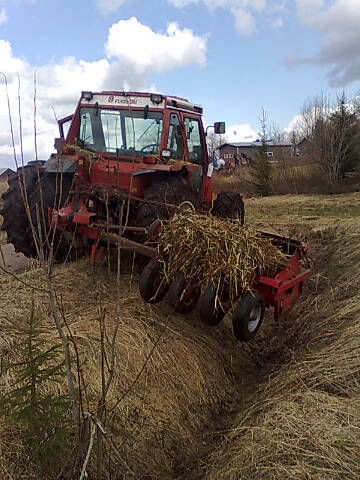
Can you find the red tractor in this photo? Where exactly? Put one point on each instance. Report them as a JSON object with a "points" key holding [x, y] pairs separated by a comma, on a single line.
{"points": [[123, 161]]}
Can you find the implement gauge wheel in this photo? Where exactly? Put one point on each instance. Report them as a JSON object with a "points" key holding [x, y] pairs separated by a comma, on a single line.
{"points": [[181, 297], [248, 316], [211, 311], [152, 287]]}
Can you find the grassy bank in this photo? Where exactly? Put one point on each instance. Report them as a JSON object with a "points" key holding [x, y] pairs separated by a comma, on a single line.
{"points": [[188, 401]]}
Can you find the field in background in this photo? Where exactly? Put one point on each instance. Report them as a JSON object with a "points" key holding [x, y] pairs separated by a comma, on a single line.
{"points": [[287, 178], [284, 406]]}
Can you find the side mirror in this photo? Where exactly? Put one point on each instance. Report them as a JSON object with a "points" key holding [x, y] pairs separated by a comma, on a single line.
{"points": [[219, 127]]}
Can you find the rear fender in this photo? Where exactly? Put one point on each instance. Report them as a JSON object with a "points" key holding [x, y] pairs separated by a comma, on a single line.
{"points": [[147, 177], [61, 165]]}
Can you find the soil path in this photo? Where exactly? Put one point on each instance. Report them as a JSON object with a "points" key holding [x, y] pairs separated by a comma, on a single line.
{"points": [[11, 261]]}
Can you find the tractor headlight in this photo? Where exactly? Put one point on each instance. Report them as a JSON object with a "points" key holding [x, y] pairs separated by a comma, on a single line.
{"points": [[156, 98], [87, 96], [166, 154]]}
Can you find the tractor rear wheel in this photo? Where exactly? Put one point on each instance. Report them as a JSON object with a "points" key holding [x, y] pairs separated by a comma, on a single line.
{"points": [[174, 190], [229, 205], [51, 191], [15, 218]]}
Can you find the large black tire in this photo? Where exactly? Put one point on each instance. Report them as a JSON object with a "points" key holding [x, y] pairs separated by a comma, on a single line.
{"points": [[15, 217], [51, 191], [229, 205], [151, 285], [174, 190], [182, 297], [248, 316], [211, 310]]}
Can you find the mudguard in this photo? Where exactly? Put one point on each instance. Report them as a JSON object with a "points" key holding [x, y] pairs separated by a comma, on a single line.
{"points": [[57, 164]]}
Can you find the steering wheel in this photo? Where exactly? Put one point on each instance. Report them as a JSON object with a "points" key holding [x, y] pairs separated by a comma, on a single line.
{"points": [[151, 145]]}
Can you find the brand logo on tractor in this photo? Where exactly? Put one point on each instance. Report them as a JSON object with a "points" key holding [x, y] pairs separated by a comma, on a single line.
{"points": [[125, 101]]}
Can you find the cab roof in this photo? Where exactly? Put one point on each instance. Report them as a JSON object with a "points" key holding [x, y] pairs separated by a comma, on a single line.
{"points": [[138, 100]]}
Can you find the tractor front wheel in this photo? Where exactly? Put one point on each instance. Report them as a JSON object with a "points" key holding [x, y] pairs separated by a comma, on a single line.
{"points": [[229, 205], [51, 191], [161, 196]]}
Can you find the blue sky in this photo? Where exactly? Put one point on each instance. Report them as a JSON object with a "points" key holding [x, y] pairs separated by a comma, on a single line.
{"points": [[231, 56]]}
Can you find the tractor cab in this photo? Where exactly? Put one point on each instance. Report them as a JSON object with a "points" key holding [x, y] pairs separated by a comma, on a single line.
{"points": [[134, 126], [132, 134], [124, 162]]}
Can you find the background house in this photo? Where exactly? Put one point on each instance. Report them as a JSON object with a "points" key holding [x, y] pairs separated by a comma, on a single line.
{"points": [[5, 174], [244, 152]]}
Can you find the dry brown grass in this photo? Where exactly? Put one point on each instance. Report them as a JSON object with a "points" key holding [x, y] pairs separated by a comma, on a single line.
{"points": [[305, 420], [158, 426], [289, 177], [194, 412]]}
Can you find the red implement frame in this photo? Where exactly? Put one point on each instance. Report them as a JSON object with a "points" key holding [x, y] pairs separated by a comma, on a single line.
{"points": [[280, 290], [284, 288]]}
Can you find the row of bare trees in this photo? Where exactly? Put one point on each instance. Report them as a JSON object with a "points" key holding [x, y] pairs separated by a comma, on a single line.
{"points": [[331, 128], [325, 151]]}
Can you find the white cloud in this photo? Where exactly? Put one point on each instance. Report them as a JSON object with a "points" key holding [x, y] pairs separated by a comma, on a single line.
{"points": [[3, 16], [242, 10], [138, 44], [109, 6], [244, 21], [339, 22], [240, 133], [8, 63], [308, 10], [59, 84], [277, 23]]}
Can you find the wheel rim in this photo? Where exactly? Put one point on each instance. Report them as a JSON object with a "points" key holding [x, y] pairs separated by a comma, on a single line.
{"points": [[254, 318]]}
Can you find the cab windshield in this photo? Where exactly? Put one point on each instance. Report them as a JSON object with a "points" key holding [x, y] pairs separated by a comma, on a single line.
{"points": [[122, 132]]}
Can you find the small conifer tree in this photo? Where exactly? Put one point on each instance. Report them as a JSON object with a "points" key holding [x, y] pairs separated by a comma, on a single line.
{"points": [[260, 167], [31, 403]]}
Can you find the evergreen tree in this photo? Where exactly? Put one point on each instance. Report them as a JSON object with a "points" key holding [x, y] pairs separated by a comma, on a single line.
{"points": [[30, 404], [260, 167]]}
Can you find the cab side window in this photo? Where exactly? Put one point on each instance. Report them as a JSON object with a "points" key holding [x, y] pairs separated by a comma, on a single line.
{"points": [[175, 141], [86, 132], [193, 135]]}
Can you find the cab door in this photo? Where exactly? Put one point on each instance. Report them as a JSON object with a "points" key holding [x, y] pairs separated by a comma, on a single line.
{"points": [[195, 147]]}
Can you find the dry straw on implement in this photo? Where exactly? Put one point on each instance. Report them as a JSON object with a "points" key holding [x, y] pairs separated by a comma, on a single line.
{"points": [[213, 251]]}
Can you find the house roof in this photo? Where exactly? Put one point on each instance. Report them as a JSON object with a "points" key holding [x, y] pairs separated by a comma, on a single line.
{"points": [[256, 144], [6, 170]]}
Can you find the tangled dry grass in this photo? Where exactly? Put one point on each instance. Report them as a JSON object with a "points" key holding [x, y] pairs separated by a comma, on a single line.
{"points": [[154, 427], [284, 407], [214, 251], [305, 419]]}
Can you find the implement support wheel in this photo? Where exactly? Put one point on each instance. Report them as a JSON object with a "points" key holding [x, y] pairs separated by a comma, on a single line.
{"points": [[152, 287], [211, 311], [182, 298], [248, 316]]}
